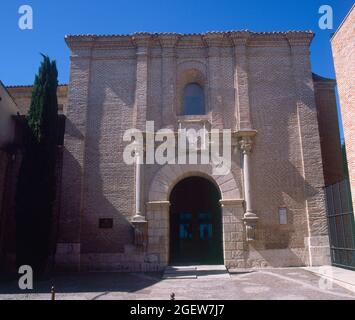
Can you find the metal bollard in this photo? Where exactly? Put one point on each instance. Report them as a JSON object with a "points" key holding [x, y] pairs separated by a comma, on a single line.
{"points": [[53, 293]]}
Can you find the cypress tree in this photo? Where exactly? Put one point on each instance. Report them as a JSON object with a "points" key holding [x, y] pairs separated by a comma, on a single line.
{"points": [[35, 193]]}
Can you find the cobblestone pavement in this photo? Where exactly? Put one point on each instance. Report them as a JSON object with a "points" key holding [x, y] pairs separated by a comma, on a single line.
{"points": [[288, 283]]}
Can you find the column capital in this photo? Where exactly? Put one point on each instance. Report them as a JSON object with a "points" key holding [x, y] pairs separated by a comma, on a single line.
{"points": [[245, 139]]}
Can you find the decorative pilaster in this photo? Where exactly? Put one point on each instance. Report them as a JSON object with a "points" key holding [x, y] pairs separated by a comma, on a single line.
{"points": [[215, 41], [250, 218], [142, 42], [242, 108], [168, 43]]}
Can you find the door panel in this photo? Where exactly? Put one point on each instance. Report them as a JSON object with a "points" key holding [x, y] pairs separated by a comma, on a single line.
{"points": [[195, 223]]}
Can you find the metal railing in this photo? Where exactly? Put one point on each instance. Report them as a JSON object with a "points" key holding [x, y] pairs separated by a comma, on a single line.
{"points": [[341, 224]]}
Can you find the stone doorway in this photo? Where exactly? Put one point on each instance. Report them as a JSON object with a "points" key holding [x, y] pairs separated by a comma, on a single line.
{"points": [[195, 223]]}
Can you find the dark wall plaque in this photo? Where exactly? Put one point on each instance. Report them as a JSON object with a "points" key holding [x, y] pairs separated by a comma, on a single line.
{"points": [[106, 223]]}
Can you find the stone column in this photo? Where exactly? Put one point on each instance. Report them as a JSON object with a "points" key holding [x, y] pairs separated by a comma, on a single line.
{"points": [[138, 188], [250, 218], [139, 221], [242, 108], [168, 43]]}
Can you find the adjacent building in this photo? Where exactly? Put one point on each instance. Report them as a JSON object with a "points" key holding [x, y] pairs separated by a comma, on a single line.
{"points": [[343, 45], [8, 110]]}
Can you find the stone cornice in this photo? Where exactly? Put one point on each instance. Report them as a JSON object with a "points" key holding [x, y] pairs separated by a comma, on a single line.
{"points": [[239, 37], [216, 39], [142, 39], [174, 40], [168, 40], [299, 39]]}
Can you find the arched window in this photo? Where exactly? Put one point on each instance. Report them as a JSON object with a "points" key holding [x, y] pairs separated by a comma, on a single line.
{"points": [[194, 102]]}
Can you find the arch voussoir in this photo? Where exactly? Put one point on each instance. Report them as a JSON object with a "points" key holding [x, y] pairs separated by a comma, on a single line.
{"points": [[167, 177]]}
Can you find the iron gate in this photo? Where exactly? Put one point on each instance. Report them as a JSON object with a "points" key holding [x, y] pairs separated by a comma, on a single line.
{"points": [[341, 224]]}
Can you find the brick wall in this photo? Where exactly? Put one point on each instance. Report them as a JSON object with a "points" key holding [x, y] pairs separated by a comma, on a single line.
{"points": [[343, 45], [275, 92], [22, 96]]}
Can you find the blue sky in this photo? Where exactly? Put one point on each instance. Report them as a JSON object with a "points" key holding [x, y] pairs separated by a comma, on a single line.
{"points": [[19, 54]]}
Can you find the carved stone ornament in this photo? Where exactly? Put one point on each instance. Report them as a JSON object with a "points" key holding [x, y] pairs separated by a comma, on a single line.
{"points": [[245, 144]]}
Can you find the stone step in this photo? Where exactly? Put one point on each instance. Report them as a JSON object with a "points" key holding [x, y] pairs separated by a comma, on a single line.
{"points": [[196, 272]]}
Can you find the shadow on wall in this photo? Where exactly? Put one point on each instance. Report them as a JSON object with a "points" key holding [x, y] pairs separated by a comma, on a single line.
{"points": [[279, 181], [277, 258], [107, 180]]}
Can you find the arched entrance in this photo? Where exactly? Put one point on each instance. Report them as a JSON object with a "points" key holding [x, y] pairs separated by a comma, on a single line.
{"points": [[195, 223]]}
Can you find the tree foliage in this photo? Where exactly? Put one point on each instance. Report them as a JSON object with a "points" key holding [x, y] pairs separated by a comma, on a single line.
{"points": [[35, 193]]}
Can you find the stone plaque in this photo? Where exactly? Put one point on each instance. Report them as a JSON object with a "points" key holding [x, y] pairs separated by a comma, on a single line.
{"points": [[283, 215]]}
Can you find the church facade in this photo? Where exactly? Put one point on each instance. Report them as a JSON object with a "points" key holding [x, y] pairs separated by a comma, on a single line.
{"points": [[267, 211]]}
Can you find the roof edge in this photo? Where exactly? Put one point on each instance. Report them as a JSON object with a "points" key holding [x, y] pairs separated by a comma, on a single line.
{"points": [[9, 94], [342, 23], [90, 40], [245, 31], [30, 85]]}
